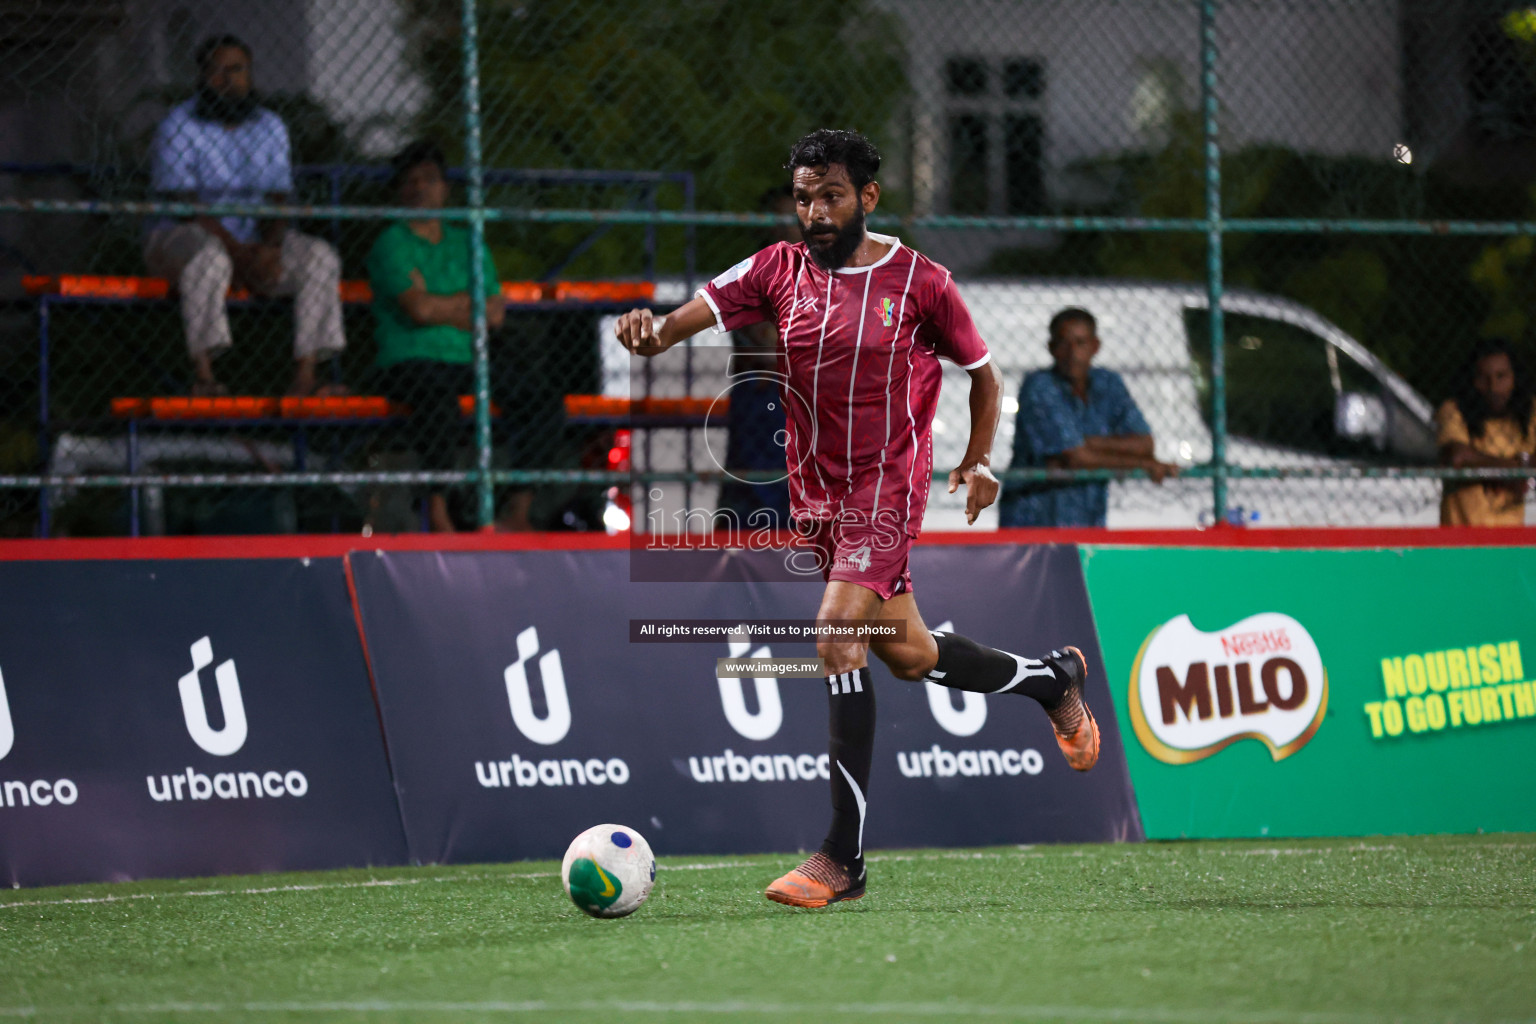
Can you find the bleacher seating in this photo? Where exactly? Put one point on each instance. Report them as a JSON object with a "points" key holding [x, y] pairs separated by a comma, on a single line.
{"points": [[127, 288]]}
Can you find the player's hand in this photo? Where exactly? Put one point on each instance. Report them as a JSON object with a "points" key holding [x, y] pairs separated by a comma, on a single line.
{"points": [[1160, 471], [980, 488], [640, 332]]}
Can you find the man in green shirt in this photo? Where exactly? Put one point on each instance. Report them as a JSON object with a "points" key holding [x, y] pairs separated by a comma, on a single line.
{"points": [[419, 272]]}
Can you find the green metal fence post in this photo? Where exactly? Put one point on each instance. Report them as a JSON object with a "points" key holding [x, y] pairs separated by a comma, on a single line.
{"points": [[474, 172], [1213, 283]]}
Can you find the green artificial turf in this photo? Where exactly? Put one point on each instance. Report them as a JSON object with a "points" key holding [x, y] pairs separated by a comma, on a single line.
{"points": [[1412, 929]]}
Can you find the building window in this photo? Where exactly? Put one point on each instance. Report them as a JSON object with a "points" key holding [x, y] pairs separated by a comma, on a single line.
{"points": [[966, 76], [1023, 79], [1023, 153], [968, 164], [995, 135]]}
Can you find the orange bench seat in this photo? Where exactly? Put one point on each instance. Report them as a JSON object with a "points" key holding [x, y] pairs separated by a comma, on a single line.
{"points": [[374, 407], [97, 286], [253, 407], [580, 406]]}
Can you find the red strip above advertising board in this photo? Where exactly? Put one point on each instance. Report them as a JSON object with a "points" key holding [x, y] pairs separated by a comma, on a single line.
{"points": [[336, 545]]}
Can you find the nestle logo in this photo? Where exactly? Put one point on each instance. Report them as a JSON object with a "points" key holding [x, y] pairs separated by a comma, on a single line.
{"points": [[1246, 645]]}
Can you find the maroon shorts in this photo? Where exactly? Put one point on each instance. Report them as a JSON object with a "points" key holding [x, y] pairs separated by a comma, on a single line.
{"points": [[856, 551]]}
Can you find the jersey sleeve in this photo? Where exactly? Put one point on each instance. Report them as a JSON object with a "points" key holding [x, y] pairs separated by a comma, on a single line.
{"points": [[389, 267], [1450, 427], [739, 297], [173, 158], [948, 327], [276, 174], [1126, 418]]}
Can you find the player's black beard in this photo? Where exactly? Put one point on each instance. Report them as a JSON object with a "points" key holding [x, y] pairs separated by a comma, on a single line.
{"points": [[222, 109], [835, 253]]}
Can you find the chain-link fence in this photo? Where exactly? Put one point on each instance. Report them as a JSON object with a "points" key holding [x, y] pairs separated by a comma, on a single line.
{"points": [[352, 266]]}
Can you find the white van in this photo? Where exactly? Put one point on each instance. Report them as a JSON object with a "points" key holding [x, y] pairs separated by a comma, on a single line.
{"points": [[1300, 393]]}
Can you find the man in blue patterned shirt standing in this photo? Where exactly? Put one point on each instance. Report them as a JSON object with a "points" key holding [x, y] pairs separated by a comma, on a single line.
{"points": [[1075, 416]]}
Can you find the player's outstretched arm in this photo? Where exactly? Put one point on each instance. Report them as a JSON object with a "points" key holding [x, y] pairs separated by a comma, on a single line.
{"points": [[646, 334], [975, 470]]}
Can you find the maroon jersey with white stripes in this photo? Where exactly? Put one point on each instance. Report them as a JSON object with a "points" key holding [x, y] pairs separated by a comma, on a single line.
{"points": [[862, 348]]}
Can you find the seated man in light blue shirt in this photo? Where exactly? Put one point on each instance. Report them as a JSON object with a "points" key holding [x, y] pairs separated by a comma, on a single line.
{"points": [[1075, 416], [221, 146]]}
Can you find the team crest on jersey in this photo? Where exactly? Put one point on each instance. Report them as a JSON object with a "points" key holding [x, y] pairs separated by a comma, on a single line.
{"points": [[734, 274], [886, 309]]}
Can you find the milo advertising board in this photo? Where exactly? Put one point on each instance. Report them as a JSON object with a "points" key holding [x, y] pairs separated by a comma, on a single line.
{"points": [[1338, 692]]}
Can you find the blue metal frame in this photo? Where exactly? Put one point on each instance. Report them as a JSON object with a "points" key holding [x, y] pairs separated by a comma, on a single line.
{"points": [[335, 174]]}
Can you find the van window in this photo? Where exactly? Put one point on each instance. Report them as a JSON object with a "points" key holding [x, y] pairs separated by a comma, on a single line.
{"points": [[1279, 385], [1282, 386]]}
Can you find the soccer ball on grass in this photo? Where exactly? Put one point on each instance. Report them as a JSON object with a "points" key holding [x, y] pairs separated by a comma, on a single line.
{"points": [[608, 870]]}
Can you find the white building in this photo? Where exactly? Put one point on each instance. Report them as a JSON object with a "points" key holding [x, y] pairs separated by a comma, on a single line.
{"points": [[349, 57], [1008, 95]]}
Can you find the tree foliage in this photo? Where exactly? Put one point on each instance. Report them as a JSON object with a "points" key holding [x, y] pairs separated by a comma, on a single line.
{"points": [[1411, 299], [716, 88]]}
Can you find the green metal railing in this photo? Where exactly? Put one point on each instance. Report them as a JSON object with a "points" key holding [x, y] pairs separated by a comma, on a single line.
{"points": [[1213, 266], [477, 214], [475, 172]]}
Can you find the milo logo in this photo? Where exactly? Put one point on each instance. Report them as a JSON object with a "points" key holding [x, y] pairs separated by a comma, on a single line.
{"points": [[1194, 693]]}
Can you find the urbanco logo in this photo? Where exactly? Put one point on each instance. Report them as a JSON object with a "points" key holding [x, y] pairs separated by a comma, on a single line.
{"points": [[1194, 693], [549, 730], [770, 711], [965, 720], [221, 742], [14, 793], [7, 732], [557, 717], [195, 785]]}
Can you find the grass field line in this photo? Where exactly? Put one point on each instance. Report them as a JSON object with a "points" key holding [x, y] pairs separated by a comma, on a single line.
{"points": [[384, 883], [371, 883], [1023, 852], [1282, 851], [799, 1011]]}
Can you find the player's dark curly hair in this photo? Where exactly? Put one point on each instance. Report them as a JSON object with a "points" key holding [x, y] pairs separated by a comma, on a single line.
{"points": [[1474, 408], [827, 146], [422, 151], [213, 44]]}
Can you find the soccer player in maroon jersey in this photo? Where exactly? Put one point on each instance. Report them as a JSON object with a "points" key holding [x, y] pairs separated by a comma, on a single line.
{"points": [[863, 321]]}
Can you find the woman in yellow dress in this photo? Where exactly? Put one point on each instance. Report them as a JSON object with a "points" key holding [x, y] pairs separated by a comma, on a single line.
{"points": [[1490, 423]]}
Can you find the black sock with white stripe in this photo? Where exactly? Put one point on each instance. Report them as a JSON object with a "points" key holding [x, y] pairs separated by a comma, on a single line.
{"points": [[966, 665], [850, 751]]}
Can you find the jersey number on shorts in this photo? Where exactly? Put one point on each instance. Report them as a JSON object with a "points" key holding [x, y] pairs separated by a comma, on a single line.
{"points": [[860, 559]]}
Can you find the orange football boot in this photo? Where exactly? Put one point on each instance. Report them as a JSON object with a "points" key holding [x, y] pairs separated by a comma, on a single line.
{"points": [[1077, 734], [816, 883]]}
